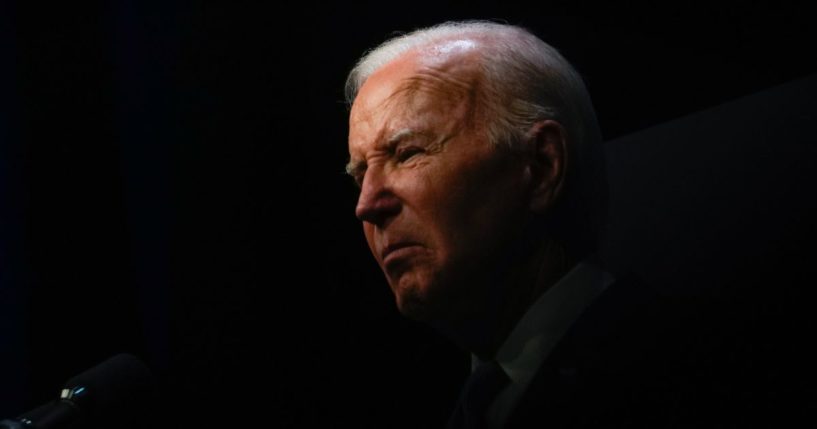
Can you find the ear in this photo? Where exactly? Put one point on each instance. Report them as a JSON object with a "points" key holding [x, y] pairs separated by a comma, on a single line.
{"points": [[548, 163]]}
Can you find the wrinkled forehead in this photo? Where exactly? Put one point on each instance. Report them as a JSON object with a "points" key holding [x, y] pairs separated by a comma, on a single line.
{"points": [[441, 80]]}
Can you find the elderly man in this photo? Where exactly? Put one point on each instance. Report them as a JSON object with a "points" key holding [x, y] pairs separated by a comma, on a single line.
{"points": [[482, 196]]}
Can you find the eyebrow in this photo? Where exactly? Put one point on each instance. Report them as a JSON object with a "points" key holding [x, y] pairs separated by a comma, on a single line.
{"points": [[400, 135], [355, 168]]}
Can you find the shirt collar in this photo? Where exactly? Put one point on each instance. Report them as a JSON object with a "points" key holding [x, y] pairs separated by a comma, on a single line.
{"points": [[540, 329]]}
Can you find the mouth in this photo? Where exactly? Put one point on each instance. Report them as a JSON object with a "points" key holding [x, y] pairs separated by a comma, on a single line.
{"points": [[395, 250]]}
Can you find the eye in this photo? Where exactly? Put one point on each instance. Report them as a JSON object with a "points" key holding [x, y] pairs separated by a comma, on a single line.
{"points": [[403, 154]]}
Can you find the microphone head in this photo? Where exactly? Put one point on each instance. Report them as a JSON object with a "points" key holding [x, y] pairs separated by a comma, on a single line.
{"points": [[115, 393]]}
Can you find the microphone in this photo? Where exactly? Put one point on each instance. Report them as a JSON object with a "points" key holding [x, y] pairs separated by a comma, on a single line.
{"points": [[115, 393]]}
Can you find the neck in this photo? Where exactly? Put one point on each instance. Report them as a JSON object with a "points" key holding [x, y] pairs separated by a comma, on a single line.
{"points": [[522, 279]]}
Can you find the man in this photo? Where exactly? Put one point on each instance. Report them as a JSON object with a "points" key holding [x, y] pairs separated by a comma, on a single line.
{"points": [[479, 162], [482, 195]]}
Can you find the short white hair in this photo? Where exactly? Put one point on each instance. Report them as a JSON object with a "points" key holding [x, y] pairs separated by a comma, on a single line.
{"points": [[534, 79], [526, 80]]}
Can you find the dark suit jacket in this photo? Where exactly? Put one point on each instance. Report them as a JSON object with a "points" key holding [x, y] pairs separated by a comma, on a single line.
{"points": [[636, 358]]}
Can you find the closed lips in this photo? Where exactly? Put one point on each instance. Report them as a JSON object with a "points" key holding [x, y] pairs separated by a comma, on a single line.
{"points": [[397, 246]]}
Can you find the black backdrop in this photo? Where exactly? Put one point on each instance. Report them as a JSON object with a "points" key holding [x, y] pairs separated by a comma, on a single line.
{"points": [[171, 183]]}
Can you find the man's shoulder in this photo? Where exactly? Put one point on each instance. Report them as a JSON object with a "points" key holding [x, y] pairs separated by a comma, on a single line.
{"points": [[641, 356]]}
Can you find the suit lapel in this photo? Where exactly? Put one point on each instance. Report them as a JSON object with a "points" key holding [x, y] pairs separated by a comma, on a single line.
{"points": [[600, 368]]}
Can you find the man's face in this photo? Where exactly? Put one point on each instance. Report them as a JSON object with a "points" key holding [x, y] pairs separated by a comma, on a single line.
{"points": [[439, 204]]}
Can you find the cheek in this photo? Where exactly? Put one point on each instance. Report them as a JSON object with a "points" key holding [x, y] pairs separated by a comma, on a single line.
{"points": [[485, 213]]}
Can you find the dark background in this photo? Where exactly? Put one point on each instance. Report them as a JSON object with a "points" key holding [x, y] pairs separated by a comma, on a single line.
{"points": [[171, 184]]}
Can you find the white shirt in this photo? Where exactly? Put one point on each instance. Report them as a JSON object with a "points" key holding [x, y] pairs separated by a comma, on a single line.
{"points": [[538, 332]]}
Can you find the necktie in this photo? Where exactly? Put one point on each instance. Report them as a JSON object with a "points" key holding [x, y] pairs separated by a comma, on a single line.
{"points": [[479, 391]]}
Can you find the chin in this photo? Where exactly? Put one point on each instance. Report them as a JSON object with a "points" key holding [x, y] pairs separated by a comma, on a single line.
{"points": [[414, 301], [412, 304], [424, 301]]}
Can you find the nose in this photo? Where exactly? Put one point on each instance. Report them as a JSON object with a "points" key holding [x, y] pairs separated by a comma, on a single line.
{"points": [[376, 203]]}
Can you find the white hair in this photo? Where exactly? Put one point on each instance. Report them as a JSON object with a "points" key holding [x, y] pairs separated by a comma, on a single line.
{"points": [[526, 80]]}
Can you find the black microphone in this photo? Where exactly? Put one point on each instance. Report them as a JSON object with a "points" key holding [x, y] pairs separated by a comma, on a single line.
{"points": [[115, 393]]}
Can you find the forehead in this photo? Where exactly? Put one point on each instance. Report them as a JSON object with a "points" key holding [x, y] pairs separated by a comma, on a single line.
{"points": [[418, 89], [382, 87]]}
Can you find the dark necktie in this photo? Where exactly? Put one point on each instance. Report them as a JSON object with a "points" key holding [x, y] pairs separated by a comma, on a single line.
{"points": [[479, 391]]}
